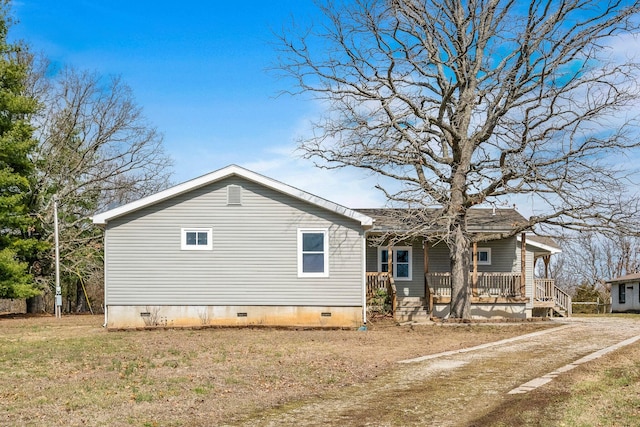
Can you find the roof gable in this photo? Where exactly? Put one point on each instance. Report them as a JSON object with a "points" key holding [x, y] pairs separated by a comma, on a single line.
{"points": [[233, 170]]}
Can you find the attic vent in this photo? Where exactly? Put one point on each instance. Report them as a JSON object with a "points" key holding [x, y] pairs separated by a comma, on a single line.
{"points": [[234, 195]]}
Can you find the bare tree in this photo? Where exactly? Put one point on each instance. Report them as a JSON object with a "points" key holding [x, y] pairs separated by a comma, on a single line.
{"points": [[95, 149], [591, 259], [460, 103]]}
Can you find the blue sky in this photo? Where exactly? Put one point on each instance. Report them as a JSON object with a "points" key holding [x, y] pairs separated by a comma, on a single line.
{"points": [[199, 71]]}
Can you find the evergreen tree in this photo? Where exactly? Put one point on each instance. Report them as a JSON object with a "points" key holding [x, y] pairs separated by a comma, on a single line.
{"points": [[19, 244]]}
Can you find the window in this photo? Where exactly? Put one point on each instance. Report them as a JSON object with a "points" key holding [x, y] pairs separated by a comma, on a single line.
{"points": [[196, 239], [401, 262], [313, 256], [622, 293], [484, 256]]}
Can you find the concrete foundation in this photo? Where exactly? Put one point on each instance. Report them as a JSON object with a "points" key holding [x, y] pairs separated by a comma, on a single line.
{"points": [[130, 317], [488, 311]]}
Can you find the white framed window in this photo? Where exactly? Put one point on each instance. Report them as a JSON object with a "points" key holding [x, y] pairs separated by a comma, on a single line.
{"points": [[484, 256], [401, 261], [313, 252], [196, 239]]}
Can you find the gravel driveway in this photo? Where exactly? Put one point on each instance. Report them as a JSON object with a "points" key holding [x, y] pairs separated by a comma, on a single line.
{"points": [[455, 388]]}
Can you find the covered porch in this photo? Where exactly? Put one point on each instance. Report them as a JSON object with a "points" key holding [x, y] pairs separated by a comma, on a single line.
{"points": [[510, 294], [501, 288]]}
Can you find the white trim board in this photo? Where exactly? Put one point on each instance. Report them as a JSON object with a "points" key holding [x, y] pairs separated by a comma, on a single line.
{"points": [[542, 246]]}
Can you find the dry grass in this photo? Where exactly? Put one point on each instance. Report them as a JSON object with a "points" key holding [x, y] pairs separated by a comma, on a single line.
{"points": [[471, 389], [605, 392], [72, 372]]}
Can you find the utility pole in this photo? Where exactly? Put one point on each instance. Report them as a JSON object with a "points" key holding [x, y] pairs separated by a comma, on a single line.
{"points": [[58, 301]]}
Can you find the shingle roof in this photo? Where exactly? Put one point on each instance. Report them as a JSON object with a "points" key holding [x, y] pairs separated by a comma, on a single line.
{"points": [[627, 278], [478, 219]]}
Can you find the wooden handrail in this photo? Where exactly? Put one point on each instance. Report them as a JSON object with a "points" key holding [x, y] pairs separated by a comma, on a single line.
{"points": [[382, 280], [493, 284], [544, 289], [376, 281], [394, 296], [562, 299]]}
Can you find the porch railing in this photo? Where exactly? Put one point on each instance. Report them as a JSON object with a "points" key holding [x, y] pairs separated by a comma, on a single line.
{"points": [[489, 284], [544, 289], [547, 291], [376, 281], [563, 300]]}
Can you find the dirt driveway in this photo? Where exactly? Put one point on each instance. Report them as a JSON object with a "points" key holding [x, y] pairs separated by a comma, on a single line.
{"points": [[454, 389]]}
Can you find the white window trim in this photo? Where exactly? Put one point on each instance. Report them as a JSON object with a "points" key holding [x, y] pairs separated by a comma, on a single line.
{"points": [[395, 270], [325, 232], [183, 239], [488, 261]]}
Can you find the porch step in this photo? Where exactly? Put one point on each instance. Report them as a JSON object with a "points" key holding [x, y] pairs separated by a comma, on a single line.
{"points": [[559, 311], [410, 302], [410, 309], [414, 315]]}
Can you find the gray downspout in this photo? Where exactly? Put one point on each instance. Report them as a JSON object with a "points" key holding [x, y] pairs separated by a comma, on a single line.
{"points": [[106, 315], [364, 277]]}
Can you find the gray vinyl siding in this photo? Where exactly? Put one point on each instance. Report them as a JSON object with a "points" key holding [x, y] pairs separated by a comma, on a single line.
{"points": [[372, 258], [503, 257], [439, 258], [254, 255]]}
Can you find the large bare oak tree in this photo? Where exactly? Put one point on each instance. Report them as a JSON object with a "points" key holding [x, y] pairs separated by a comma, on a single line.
{"points": [[463, 103], [96, 149]]}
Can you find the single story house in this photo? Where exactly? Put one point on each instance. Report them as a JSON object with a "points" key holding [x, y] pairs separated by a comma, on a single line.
{"points": [[234, 247], [625, 293]]}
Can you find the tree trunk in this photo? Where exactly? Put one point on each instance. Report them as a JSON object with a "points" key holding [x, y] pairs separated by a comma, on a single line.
{"points": [[80, 298], [459, 257], [36, 304]]}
